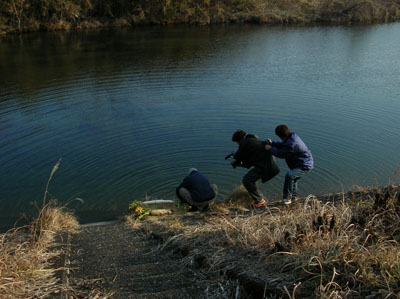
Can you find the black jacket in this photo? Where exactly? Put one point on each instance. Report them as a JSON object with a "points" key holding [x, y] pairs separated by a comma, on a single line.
{"points": [[252, 152]]}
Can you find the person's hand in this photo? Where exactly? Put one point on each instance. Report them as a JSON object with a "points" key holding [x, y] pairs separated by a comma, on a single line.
{"points": [[268, 147], [269, 141]]}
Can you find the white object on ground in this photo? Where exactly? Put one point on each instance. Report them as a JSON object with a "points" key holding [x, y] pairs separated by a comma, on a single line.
{"points": [[155, 201], [160, 212]]}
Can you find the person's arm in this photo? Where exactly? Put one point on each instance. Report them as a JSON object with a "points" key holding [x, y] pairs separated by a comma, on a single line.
{"points": [[177, 191], [185, 184], [238, 157], [279, 151], [239, 153], [276, 144]]}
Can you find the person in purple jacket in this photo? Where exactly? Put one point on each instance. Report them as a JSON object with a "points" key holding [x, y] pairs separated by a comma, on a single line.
{"points": [[297, 156]]}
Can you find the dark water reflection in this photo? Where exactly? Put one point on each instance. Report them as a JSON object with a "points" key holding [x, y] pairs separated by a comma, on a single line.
{"points": [[129, 111]]}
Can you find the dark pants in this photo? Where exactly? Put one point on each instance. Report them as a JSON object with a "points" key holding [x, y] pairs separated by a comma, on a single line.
{"points": [[291, 178], [251, 185]]}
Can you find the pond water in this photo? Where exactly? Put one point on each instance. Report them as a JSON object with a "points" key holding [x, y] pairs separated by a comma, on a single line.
{"points": [[130, 111]]}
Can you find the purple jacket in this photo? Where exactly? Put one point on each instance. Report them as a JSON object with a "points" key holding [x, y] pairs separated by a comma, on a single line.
{"points": [[295, 152]]}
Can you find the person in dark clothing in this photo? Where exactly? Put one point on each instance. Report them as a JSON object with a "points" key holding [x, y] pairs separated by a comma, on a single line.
{"points": [[196, 190], [251, 154], [297, 156]]}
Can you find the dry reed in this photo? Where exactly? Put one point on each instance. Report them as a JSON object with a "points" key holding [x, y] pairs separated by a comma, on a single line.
{"points": [[26, 253], [348, 248]]}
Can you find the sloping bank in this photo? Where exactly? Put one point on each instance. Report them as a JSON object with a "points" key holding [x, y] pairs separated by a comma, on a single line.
{"points": [[334, 246], [34, 15], [31, 256]]}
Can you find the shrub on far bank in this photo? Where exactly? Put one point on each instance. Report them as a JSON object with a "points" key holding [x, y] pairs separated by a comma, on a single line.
{"points": [[33, 15]]}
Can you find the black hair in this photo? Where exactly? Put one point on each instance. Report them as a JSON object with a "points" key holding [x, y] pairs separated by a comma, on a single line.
{"points": [[238, 135], [283, 131]]}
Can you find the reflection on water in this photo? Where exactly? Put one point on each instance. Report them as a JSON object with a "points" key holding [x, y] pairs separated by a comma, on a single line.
{"points": [[129, 111]]}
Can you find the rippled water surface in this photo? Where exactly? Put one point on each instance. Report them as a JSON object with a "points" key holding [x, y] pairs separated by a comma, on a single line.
{"points": [[130, 111]]}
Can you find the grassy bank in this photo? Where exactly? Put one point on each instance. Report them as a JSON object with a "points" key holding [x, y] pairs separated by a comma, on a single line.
{"points": [[34, 15], [343, 246], [27, 255]]}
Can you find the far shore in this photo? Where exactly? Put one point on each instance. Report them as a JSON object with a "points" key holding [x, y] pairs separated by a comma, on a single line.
{"points": [[17, 16]]}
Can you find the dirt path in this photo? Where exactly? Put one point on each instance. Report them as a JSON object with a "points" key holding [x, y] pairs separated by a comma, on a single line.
{"points": [[117, 261]]}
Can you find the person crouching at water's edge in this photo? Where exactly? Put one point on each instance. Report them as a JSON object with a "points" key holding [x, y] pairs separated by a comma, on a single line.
{"points": [[196, 190], [251, 153], [297, 156]]}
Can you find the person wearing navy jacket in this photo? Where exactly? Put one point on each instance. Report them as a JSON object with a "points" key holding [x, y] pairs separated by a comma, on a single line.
{"points": [[297, 156], [196, 190]]}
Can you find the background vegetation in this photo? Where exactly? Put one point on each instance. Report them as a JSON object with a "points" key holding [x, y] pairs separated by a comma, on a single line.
{"points": [[34, 15]]}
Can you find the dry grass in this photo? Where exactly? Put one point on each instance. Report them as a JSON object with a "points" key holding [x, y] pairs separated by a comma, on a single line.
{"points": [[25, 267], [265, 11], [348, 248], [308, 11], [26, 253], [67, 14]]}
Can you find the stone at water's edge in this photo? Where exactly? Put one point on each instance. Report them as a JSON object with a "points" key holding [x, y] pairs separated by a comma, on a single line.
{"points": [[160, 212], [160, 204]]}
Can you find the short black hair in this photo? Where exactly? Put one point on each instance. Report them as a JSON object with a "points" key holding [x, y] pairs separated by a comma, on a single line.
{"points": [[283, 131], [238, 135]]}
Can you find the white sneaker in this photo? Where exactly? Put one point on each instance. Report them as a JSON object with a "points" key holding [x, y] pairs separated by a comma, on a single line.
{"points": [[286, 201]]}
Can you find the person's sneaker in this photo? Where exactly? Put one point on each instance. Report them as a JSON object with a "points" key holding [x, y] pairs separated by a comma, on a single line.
{"points": [[286, 201], [260, 204]]}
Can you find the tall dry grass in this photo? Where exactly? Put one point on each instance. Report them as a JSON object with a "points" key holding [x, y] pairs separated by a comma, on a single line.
{"points": [[27, 253], [343, 249]]}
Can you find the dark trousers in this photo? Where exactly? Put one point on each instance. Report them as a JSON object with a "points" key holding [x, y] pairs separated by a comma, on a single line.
{"points": [[291, 178], [251, 185]]}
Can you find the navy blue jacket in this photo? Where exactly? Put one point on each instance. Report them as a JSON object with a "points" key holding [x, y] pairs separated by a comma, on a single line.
{"points": [[198, 186], [295, 152]]}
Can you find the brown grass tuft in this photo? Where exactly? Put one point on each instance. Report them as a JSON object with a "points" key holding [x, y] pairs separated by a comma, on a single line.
{"points": [[25, 267], [26, 253], [239, 197]]}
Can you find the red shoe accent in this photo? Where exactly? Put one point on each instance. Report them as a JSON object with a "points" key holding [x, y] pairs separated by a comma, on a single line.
{"points": [[260, 204]]}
